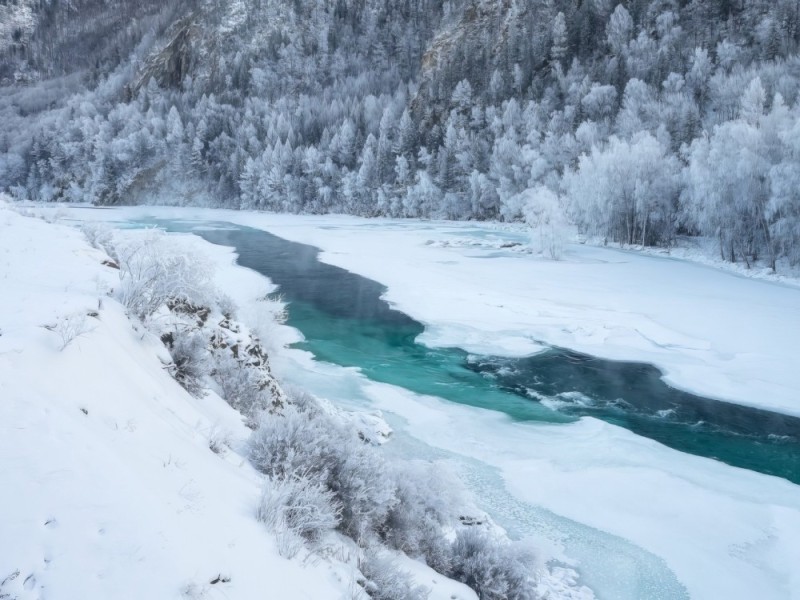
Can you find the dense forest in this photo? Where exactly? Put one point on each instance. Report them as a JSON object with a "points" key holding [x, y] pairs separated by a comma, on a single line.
{"points": [[636, 121]]}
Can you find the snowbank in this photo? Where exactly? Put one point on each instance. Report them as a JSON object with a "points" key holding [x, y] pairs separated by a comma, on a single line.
{"points": [[109, 486], [116, 482]]}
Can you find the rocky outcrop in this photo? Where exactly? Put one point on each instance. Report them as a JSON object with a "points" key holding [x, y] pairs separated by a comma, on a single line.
{"points": [[174, 61]]}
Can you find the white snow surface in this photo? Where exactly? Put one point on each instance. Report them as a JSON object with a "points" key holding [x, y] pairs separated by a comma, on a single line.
{"points": [[108, 487], [725, 532]]}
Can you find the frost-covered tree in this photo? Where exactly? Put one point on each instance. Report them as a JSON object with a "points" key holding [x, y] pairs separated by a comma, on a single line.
{"points": [[626, 191], [546, 217], [737, 180], [619, 29], [308, 107]]}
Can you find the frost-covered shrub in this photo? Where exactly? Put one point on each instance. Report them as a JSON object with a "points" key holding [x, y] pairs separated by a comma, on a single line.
{"points": [[304, 402], [69, 327], [386, 581], [154, 271], [429, 499], [218, 440], [366, 489], [226, 306], [266, 318], [322, 448], [190, 359], [407, 506], [100, 236], [288, 443], [495, 569], [298, 508], [240, 385]]}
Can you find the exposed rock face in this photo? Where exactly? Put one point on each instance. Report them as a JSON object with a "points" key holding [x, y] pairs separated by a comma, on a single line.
{"points": [[247, 350], [170, 64], [226, 354], [485, 34], [479, 20]]}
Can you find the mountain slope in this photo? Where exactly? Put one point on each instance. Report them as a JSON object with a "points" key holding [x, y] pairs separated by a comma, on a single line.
{"points": [[464, 109]]}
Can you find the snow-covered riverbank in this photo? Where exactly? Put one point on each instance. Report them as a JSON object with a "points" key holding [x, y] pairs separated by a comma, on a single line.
{"points": [[108, 488], [114, 481]]}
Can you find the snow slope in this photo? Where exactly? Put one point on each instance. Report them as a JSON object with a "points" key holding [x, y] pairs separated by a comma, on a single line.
{"points": [[109, 489], [108, 485]]}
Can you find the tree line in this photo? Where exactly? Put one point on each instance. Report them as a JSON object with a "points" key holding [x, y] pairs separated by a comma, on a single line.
{"points": [[638, 122]]}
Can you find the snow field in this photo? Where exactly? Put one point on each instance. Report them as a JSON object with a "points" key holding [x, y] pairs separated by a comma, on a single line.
{"points": [[108, 484]]}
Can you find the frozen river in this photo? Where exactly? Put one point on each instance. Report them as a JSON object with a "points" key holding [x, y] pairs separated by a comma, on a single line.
{"points": [[564, 454]]}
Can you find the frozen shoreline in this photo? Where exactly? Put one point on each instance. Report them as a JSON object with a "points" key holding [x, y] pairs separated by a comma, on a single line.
{"points": [[711, 332]]}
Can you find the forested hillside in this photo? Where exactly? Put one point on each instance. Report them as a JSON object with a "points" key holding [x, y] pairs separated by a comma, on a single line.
{"points": [[636, 121]]}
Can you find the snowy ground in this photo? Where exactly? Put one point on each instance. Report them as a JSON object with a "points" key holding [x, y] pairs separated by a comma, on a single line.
{"points": [[725, 532], [108, 485]]}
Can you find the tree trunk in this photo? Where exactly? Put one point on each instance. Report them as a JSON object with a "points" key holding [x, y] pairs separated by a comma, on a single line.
{"points": [[768, 238], [744, 258], [644, 231]]}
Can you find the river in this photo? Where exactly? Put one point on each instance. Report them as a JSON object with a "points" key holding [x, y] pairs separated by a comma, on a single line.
{"points": [[345, 321]]}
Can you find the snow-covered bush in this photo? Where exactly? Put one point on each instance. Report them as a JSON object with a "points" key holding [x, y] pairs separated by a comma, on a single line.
{"points": [[322, 448], [298, 508], [304, 402], [240, 385], [226, 306], [288, 443], [69, 327], [409, 506], [100, 236], [429, 500], [269, 314], [218, 440], [365, 488], [154, 271], [386, 581], [189, 352], [494, 568]]}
